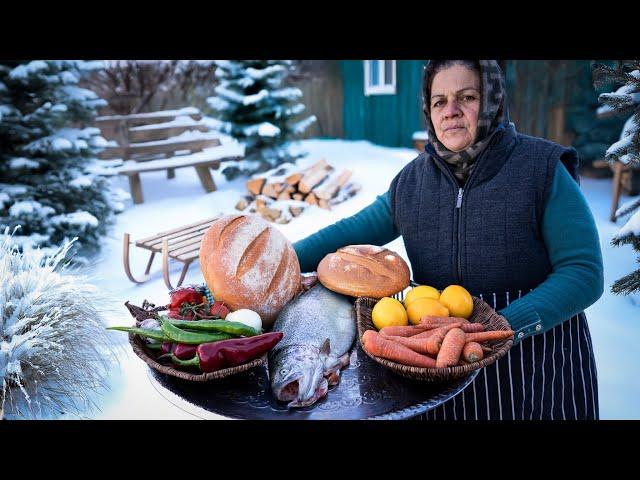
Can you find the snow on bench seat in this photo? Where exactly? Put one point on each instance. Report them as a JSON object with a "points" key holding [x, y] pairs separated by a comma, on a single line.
{"points": [[201, 161]]}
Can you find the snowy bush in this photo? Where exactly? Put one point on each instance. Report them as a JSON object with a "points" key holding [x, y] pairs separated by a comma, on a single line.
{"points": [[256, 109], [48, 155], [54, 350]]}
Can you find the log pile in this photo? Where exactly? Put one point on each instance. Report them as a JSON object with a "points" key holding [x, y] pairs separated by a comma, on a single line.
{"points": [[284, 192]]}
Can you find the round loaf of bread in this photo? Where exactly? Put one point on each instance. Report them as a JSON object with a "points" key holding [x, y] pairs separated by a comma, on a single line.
{"points": [[364, 271], [248, 263]]}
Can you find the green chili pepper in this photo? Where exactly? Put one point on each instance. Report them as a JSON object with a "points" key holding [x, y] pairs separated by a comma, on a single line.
{"points": [[190, 338], [234, 328], [154, 346], [143, 332]]}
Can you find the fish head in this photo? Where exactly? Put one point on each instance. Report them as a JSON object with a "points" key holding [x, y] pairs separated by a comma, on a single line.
{"points": [[297, 375]]}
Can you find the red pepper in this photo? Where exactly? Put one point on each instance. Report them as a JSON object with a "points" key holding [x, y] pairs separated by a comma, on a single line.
{"points": [[219, 309], [184, 351], [167, 347], [230, 353], [185, 295]]}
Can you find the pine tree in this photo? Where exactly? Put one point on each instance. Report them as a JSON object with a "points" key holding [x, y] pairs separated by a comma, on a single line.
{"points": [[626, 101], [48, 170], [256, 109]]}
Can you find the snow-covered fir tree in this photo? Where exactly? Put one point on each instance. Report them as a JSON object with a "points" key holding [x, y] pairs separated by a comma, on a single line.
{"points": [[259, 110], [626, 101], [48, 168]]}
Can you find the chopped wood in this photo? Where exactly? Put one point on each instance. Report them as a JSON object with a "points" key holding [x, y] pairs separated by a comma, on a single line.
{"points": [[260, 204], [282, 220], [331, 188], [311, 199], [242, 204], [349, 190], [270, 213], [296, 211], [284, 196], [255, 185], [322, 203], [312, 179], [291, 189], [293, 179], [269, 190], [297, 196]]}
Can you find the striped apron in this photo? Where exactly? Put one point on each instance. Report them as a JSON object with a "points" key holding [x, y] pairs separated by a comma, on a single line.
{"points": [[549, 376]]}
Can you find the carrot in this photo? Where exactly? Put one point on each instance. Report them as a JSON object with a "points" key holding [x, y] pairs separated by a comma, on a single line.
{"points": [[434, 342], [418, 345], [376, 344], [489, 335], [401, 331], [472, 327], [472, 352], [451, 348], [435, 319]]}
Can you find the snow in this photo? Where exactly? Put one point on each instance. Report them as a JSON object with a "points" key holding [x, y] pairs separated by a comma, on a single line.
{"points": [[78, 218], [21, 162], [80, 182], [632, 227], [61, 144], [180, 121], [28, 207], [422, 135], [256, 98], [207, 154], [24, 70], [187, 136], [613, 320], [161, 113], [266, 129]]}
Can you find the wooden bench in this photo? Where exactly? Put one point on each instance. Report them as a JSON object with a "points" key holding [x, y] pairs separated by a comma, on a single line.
{"points": [[151, 142], [180, 244], [202, 161]]}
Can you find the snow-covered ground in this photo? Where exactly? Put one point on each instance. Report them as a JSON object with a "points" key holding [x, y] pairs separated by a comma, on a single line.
{"points": [[172, 203]]}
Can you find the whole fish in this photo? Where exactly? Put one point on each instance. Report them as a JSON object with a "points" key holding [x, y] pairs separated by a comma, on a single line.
{"points": [[319, 329]]}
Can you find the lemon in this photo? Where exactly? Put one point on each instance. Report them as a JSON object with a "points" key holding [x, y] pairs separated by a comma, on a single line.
{"points": [[458, 300], [422, 291], [425, 306], [389, 312]]}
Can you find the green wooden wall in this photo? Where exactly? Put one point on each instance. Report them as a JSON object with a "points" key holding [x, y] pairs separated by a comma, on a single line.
{"points": [[388, 120]]}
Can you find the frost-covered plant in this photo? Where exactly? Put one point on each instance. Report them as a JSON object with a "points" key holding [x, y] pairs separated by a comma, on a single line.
{"points": [[54, 350], [625, 101], [257, 108]]}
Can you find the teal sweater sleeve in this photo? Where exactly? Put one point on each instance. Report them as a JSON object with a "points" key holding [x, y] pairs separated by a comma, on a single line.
{"points": [[576, 281], [373, 225]]}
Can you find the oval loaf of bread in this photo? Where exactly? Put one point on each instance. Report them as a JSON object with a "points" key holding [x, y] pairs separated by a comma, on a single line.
{"points": [[364, 271], [248, 263]]}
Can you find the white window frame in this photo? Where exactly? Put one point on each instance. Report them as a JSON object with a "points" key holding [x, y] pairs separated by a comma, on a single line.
{"points": [[381, 88]]}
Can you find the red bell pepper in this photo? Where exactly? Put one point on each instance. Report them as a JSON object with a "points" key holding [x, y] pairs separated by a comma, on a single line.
{"points": [[230, 353]]}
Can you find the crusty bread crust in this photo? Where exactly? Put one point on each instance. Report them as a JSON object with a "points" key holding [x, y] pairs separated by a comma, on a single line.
{"points": [[364, 271], [248, 263]]}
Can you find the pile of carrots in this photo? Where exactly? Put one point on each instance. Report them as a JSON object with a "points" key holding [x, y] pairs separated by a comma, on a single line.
{"points": [[435, 342]]}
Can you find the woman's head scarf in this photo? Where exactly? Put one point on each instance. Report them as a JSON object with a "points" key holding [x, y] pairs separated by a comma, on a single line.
{"points": [[493, 114]]}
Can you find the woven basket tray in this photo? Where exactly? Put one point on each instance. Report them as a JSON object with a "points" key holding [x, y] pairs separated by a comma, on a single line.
{"points": [[149, 356], [482, 313]]}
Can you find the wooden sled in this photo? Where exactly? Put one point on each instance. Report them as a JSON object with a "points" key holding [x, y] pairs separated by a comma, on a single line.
{"points": [[180, 244]]}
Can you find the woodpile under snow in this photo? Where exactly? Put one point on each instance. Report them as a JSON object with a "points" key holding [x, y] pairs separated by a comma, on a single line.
{"points": [[284, 192]]}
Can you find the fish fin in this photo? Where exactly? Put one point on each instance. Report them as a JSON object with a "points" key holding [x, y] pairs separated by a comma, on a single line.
{"points": [[326, 347]]}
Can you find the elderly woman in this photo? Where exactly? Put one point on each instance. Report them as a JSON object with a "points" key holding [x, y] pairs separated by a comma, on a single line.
{"points": [[501, 214]]}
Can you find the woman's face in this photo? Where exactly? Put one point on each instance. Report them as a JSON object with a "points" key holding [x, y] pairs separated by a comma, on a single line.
{"points": [[455, 104]]}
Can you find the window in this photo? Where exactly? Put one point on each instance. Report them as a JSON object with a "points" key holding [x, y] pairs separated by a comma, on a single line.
{"points": [[379, 77]]}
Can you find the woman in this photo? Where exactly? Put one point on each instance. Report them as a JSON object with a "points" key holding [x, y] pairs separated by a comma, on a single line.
{"points": [[499, 213]]}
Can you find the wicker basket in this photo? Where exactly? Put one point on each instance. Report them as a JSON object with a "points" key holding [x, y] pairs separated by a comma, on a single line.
{"points": [[149, 356], [482, 313]]}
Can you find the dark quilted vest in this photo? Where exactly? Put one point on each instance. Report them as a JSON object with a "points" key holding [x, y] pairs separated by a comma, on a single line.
{"points": [[490, 238]]}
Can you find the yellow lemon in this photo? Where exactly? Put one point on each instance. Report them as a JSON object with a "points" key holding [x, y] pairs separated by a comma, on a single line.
{"points": [[389, 312], [425, 306], [422, 291], [458, 300]]}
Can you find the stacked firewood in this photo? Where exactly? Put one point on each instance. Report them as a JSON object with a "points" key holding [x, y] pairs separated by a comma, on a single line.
{"points": [[284, 192]]}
